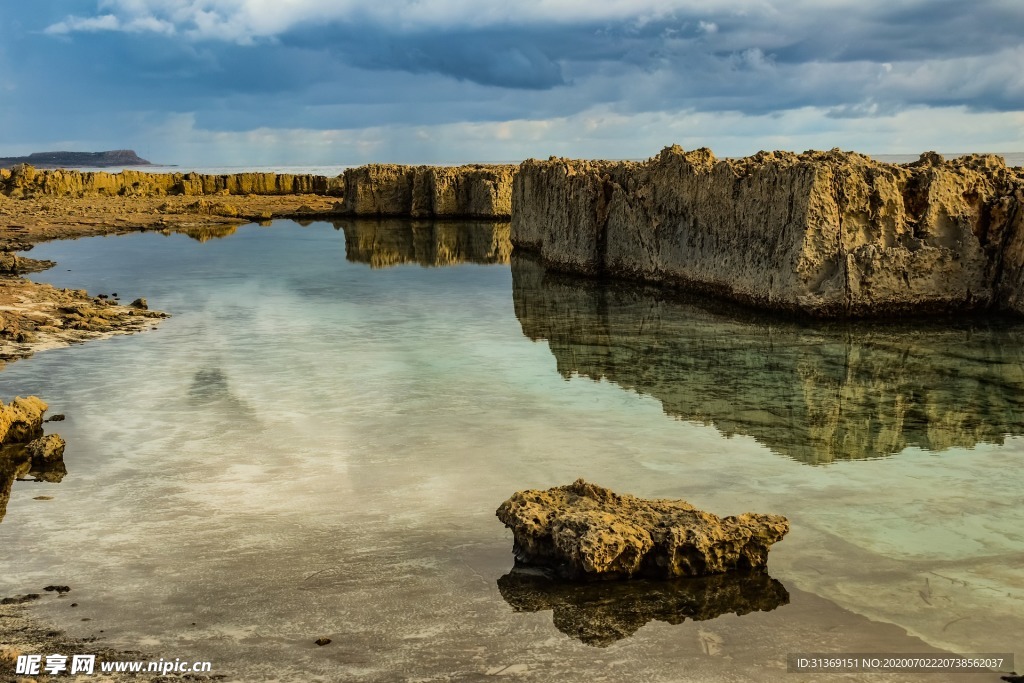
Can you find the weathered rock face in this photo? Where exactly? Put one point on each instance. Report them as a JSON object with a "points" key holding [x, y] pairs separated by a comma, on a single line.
{"points": [[816, 393], [824, 233], [385, 243], [473, 191], [583, 531], [600, 614], [21, 420], [26, 181]]}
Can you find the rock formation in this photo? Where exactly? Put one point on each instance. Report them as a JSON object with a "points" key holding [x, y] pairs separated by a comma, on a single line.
{"points": [[474, 191], [829, 234], [816, 393], [24, 449], [21, 420], [601, 613], [12, 264], [391, 242], [583, 531]]}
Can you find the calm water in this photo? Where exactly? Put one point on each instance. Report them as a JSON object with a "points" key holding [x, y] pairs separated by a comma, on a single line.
{"points": [[316, 441]]}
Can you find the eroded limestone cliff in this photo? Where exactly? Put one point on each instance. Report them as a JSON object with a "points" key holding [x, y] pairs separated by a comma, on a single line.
{"points": [[825, 233], [417, 191]]}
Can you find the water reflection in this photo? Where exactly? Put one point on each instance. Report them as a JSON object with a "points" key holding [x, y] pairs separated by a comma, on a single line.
{"points": [[15, 464], [601, 613], [205, 233], [814, 392], [385, 243]]}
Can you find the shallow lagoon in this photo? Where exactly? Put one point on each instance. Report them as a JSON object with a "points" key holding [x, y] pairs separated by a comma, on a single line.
{"points": [[315, 443]]}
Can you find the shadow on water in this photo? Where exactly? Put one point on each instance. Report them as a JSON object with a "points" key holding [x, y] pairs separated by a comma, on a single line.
{"points": [[602, 613], [815, 392], [386, 243]]}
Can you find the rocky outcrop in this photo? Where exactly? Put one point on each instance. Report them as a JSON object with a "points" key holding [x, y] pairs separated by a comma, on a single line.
{"points": [[473, 191], [36, 316], [24, 449], [583, 531], [816, 393], [386, 243], [21, 420], [603, 613], [829, 234], [12, 264], [46, 449], [26, 181]]}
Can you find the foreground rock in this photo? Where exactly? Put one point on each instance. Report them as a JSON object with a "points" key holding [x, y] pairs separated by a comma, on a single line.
{"points": [[829, 234], [583, 531], [602, 613]]}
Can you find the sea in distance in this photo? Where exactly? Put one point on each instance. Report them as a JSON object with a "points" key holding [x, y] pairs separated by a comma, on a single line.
{"points": [[314, 445], [1012, 159]]}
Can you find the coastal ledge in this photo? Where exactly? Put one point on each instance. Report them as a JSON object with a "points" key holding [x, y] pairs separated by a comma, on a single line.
{"points": [[469, 191], [827, 234]]}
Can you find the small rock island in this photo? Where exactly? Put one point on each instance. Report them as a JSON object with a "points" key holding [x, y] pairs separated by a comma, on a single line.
{"points": [[586, 532]]}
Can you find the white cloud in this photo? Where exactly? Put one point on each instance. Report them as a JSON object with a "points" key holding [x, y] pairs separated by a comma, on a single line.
{"points": [[596, 133], [110, 22], [245, 20]]}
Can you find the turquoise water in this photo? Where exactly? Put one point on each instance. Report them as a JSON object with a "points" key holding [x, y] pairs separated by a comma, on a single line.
{"points": [[315, 444]]}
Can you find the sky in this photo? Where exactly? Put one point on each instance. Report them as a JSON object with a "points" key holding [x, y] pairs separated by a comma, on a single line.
{"points": [[263, 82]]}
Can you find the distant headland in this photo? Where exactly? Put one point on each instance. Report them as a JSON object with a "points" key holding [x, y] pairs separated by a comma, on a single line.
{"points": [[115, 157]]}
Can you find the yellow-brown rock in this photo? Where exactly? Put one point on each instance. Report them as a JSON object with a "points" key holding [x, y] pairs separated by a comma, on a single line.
{"points": [[825, 233], [583, 531], [21, 420], [472, 191]]}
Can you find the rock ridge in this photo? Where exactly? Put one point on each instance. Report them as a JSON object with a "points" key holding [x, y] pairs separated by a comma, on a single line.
{"points": [[378, 190], [828, 234]]}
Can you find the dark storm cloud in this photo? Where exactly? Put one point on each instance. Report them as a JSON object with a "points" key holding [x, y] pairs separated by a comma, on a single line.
{"points": [[853, 60]]}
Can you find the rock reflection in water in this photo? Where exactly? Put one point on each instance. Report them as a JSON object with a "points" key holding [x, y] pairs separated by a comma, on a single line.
{"points": [[601, 613], [15, 464], [205, 233], [816, 393], [385, 243]]}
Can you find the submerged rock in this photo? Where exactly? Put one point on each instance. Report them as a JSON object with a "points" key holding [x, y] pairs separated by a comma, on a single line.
{"points": [[602, 613], [584, 531]]}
